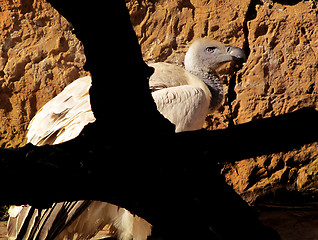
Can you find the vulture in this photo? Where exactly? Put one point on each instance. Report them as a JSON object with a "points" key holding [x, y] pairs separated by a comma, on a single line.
{"points": [[185, 96]]}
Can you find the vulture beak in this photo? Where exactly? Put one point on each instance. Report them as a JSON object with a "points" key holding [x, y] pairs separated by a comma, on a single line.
{"points": [[236, 53]]}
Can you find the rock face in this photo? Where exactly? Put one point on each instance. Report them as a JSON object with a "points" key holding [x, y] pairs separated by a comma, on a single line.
{"points": [[280, 75], [39, 56]]}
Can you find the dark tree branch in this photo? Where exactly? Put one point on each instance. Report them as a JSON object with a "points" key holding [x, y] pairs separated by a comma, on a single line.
{"points": [[130, 156]]}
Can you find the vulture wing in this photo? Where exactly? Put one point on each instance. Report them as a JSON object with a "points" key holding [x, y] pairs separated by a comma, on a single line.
{"points": [[180, 96], [168, 75], [63, 117], [185, 106], [60, 120]]}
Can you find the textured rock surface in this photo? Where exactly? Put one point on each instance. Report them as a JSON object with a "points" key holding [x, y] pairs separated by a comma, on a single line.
{"points": [[280, 75], [39, 56]]}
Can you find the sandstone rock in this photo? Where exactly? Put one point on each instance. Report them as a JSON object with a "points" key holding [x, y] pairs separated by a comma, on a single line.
{"points": [[280, 75], [39, 56]]}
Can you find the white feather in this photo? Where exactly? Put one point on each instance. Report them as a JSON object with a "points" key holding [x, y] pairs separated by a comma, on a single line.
{"points": [[185, 106], [101, 215], [183, 98], [124, 224], [14, 210], [63, 118]]}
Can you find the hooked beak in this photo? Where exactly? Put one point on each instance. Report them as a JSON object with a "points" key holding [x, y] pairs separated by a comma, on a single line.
{"points": [[236, 53]]}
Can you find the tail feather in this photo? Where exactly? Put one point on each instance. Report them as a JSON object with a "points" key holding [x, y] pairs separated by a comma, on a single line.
{"points": [[141, 228], [124, 224], [76, 220], [33, 223], [17, 215]]}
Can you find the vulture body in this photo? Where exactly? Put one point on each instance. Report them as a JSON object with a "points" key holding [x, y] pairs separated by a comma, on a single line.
{"points": [[186, 96], [183, 96], [184, 99]]}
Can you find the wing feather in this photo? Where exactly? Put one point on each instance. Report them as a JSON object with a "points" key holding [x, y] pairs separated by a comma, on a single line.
{"points": [[63, 118], [185, 106], [27, 222], [168, 75], [17, 215], [76, 220], [60, 120]]}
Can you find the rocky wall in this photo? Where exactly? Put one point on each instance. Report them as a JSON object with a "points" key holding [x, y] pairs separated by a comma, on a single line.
{"points": [[39, 56], [280, 75]]}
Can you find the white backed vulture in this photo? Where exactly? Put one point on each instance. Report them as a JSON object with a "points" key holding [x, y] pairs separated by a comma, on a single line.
{"points": [[183, 96]]}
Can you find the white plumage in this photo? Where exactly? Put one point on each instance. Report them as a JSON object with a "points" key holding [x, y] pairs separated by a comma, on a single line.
{"points": [[64, 117], [184, 100], [184, 96]]}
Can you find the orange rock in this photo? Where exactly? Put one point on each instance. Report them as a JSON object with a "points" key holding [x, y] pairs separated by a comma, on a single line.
{"points": [[39, 56]]}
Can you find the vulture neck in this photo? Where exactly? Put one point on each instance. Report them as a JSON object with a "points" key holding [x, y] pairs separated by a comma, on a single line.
{"points": [[213, 82]]}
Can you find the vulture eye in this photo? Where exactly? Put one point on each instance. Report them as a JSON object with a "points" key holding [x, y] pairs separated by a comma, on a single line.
{"points": [[210, 49]]}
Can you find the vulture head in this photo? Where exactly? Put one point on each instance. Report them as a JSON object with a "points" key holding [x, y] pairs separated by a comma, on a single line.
{"points": [[205, 55]]}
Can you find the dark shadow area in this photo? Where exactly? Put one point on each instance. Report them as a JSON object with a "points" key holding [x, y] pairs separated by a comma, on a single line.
{"points": [[288, 2], [262, 137], [130, 155], [303, 219], [175, 154]]}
